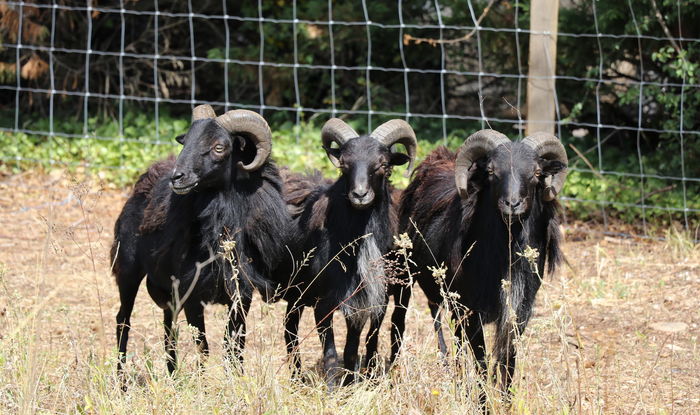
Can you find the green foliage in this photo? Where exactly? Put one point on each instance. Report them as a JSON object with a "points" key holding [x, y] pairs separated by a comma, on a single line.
{"points": [[120, 161], [664, 66], [117, 161], [621, 197], [665, 103]]}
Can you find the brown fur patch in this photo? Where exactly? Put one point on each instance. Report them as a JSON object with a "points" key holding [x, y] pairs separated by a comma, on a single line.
{"points": [[148, 180], [437, 167], [394, 209], [156, 211], [298, 188], [154, 214], [318, 213], [441, 159]]}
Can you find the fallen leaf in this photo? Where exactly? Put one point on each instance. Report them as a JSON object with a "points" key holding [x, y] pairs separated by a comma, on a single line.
{"points": [[669, 326], [674, 348]]}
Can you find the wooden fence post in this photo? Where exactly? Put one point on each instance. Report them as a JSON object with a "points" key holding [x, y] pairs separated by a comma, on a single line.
{"points": [[542, 61]]}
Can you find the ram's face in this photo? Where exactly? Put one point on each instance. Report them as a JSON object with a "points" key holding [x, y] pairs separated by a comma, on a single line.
{"points": [[205, 157], [513, 173], [365, 164]]}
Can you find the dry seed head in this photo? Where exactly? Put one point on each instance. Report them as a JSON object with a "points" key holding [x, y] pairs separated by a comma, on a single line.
{"points": [[403, 241], [439, 272], [530, 254], [453, 295], [228, 246]]}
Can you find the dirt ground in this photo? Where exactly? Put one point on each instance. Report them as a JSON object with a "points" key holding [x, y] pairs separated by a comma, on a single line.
{"points": [[616, 330]]}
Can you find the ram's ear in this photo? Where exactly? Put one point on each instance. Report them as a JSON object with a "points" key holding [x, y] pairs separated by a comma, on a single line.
{"points": [[481, 164], [478, 172], [398, 159], [333, 155], [180, 139], [551, 167], [241, 142]]}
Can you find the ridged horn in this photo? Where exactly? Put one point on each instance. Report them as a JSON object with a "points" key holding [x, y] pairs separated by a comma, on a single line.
{"points": [[201, 112], [398, 132], [475, 147], [549, 147], [337, 131], [253, 126]]}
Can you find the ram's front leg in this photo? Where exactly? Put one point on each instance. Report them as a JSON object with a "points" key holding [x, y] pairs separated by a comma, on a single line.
{"points": [[323, 315], [508, 330], [352, 342], [194, 312], [469, 333], [170, 340], [236, 329], [373, 359]]}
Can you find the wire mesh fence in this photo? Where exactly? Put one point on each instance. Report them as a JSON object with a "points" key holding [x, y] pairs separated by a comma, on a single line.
{"points": [[86, 74]]}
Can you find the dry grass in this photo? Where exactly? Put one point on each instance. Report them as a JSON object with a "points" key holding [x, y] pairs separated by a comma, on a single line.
{"points": [[598, 342]]}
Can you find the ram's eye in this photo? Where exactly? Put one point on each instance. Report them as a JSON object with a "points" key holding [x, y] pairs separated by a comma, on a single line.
{"points": [[490, 170], [219, 148], [538, 172]]}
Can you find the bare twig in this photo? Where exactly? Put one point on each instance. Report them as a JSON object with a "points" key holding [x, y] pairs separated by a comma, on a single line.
{"points": [[649, 375], [603, 141], [516, 109], [359, 101], [657, 191], [588, 163], [407, 39], [179, 301], [660, 18]]}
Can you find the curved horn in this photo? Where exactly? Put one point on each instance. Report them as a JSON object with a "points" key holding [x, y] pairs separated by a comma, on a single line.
{"points": [[549, 147], [398, 132], [338, 131], [201, 112], [255, 127], [475, 147]]}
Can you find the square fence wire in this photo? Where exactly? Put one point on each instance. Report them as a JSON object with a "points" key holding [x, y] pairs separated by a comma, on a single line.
{"points": [[77, 77]]}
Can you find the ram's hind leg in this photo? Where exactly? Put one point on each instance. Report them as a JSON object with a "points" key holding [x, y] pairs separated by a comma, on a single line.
{"points": [[437, 325], [402, 297], [291, 336], [127, 295]]}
